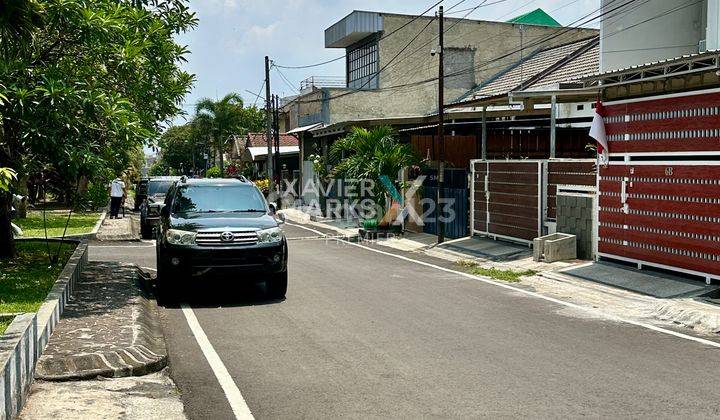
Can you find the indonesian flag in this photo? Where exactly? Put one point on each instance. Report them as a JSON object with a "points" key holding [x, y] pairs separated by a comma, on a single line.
{"points": [[597, 131]]}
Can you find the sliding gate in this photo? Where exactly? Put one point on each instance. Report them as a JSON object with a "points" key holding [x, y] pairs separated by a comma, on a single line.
{"points": [[507, 199], [516, 199]]}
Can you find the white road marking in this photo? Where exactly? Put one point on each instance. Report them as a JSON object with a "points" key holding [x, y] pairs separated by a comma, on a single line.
{"points": [[534, 294], [232, 392]]}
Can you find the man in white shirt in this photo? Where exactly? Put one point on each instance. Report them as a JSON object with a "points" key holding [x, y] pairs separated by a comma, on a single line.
{"points": [[117, 193]]}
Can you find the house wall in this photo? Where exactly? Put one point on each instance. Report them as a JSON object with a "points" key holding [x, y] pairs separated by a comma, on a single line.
{"points": [[644, 32], [467, 44]]}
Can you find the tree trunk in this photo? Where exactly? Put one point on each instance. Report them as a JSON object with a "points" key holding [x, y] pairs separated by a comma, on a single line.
{"points": [[22, 189], [7, 242], [222, 163]]}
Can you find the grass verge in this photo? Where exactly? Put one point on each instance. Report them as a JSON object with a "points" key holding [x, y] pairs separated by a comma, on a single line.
{"points": [[26, 280], [509, 276], [33, 226], [4, 323]]}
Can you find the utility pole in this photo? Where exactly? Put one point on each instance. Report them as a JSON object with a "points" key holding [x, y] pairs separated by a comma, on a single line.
{"points": [[276, 133], [441, 130], [268, 125]]}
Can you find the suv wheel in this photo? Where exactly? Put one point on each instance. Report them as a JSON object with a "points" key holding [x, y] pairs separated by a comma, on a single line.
{"points": [[163, 292], [277, 285], [146, 231]]}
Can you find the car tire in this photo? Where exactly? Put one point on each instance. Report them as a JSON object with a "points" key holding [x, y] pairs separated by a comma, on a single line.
{"points": [[277, 285], [146, 232], [164, 294]]}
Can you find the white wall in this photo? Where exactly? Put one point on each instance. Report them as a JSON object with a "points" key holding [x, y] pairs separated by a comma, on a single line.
{"points": [[626, 39]]}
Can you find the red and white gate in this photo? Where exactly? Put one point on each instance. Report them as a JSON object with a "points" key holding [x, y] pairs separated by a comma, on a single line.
{"points": [[660, 204]]}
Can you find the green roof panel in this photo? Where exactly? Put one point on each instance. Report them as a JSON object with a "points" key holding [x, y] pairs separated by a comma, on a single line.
{"points": [[536, 17]]}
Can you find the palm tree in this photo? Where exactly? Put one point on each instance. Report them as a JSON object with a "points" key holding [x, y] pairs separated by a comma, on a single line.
{"points": [[222, 118], [369, 154]]}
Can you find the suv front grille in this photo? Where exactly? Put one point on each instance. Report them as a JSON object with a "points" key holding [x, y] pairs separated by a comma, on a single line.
{"points": [[221, 238]]}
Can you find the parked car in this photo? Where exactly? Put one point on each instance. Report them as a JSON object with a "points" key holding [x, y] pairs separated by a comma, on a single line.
{"points": [[220, 227], [140, 193], [154, 200]]}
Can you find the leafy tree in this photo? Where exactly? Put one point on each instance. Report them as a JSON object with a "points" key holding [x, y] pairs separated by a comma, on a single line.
{"points": [[158, 169], [86, 83], [180, 147], [225, 117], [369, 154]]}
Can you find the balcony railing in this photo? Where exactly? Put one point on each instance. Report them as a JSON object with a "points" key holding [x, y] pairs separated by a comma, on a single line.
{"points": [[322, 82]]}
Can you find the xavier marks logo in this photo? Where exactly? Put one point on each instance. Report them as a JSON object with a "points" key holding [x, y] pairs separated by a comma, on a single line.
{"points": [[359, 199]]}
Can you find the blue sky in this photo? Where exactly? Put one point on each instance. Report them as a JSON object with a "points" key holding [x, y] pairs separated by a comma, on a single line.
{"points": [[229, 45]]}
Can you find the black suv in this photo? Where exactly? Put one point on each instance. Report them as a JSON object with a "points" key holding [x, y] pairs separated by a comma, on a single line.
{"points": [[220, 227], [154, 200], [140, 193]]}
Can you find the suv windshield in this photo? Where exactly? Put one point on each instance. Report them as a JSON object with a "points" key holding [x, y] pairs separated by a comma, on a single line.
{"points": [[214, 198], [158, 187]]}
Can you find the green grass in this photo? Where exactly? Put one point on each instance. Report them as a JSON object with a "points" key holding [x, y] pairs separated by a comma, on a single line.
{"points": [[26, 280], [33, 227], [4, 323], [509, 276]]}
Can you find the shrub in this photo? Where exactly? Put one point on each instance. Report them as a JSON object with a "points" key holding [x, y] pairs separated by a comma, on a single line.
{"points": [[96, 195], [214, 172], [263, 184]]}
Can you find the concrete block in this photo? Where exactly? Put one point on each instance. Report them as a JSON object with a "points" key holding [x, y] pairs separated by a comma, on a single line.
{"points": [[555, 247]]}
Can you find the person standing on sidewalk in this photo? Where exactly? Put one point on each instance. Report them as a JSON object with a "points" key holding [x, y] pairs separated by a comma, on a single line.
{"points": [[117, 193]]}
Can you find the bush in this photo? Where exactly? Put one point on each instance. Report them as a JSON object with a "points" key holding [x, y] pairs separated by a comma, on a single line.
{"points": [[158, 169], [96, 195], [213, 172], [263, 184]]}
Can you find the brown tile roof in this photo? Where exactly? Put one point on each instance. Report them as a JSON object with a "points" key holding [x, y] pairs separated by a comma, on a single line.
{"points": [[258, 140], [568, 58]]}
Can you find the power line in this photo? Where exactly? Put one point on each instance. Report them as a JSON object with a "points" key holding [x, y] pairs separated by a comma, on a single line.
{"points": [[516, 9], [481, 65], [257, 95], [382, 37], [285, 79]]}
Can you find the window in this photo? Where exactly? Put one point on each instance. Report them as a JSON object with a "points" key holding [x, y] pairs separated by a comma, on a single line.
{"points": [[362, 66], [213, 198]]}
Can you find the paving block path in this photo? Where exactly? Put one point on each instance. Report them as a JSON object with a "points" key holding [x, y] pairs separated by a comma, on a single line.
{"points": [[109, 328]]}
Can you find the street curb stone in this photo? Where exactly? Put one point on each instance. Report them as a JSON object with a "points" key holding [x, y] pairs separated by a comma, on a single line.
{"points": [[147, 353], [27, 336]]}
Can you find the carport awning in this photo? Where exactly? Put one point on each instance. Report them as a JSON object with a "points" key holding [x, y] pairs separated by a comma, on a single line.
{"points": [[256, 153], [304, 128]]}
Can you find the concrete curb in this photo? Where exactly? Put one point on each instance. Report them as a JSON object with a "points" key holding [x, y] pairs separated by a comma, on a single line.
{"points": [[298, 216], [147, 354], [133, 236], [25, 339], [18, 354]]}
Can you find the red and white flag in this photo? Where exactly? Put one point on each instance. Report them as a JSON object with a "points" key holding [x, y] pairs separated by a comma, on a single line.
{"points": [[597, 132]]}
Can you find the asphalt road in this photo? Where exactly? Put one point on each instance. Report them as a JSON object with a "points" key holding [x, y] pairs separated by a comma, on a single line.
{"points": [[366, 335]]}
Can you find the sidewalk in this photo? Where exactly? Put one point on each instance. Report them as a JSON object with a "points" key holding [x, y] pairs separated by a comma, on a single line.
{"points": [[110, 329], [124, 229], [689, 309]]}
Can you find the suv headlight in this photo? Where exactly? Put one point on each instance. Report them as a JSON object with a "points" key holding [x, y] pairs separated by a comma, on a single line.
{"points": [[268, 236], [180, 237]]}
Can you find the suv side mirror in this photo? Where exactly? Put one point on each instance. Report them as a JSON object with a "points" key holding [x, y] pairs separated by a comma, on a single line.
{"points": [[273, 208]]}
